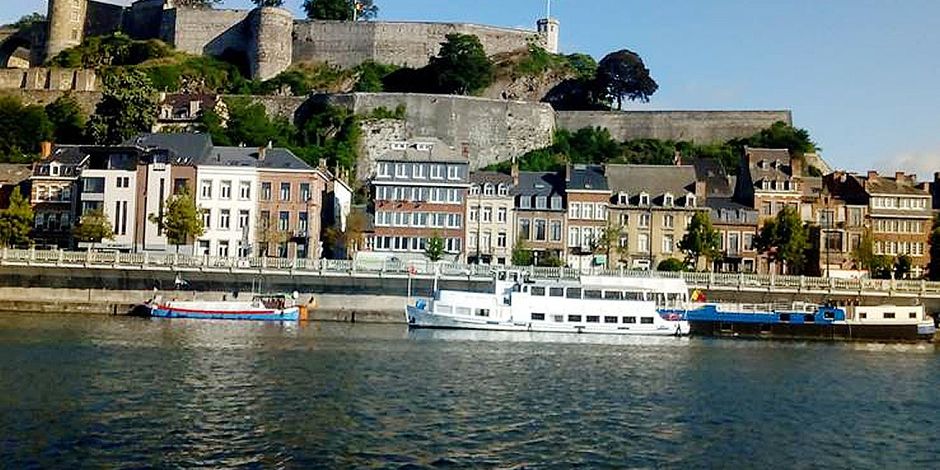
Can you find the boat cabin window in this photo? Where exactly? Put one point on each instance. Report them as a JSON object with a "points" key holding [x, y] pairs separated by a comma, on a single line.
{"points": [[784, 317], [629, 319], [446, 309], [574, 318], [632, 296], [610, 319], [862, 316], [558, 318], [574, 293], [538, 316], [889, 315], [913, 315], [592, 294], [593, 319], [463, 311], [556, 291], [538, 290], [525, 288], [481, 312], [646, 320], [613, 295]]}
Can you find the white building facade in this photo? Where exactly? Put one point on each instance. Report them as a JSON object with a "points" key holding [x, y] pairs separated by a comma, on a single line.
{"points": [[227, 197]]}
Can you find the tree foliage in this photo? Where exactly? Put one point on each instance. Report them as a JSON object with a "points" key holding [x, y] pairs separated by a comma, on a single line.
{"points": [[622, 74], [93, 227], [181, 220], [112, 50], [902, 266], [67, 119], [340, 10], [27, 21], [672, 265], [196, 3], [16, 221], [21, 130], [127, 107], [784, 239], [434, 249], [462, 66], [521, 256], [700, 239]]}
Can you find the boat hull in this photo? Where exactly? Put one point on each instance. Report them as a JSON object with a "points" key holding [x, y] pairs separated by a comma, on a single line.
{"points": [[832, 331], [287, 314], [422, 318]]}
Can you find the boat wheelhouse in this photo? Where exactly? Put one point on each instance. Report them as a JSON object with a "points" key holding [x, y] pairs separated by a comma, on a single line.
{"points": [[609, 305]]}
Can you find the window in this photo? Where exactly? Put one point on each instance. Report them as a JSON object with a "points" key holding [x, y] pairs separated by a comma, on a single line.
{"points": [[437, 172], [766, 208], [472, 240], [593, 319], [574, 318], [205, 189], [223, 248], [629, 319], [912, 315], [734, 247], [474, 190], [541, 202], [613, 295], [401, 171], [644, 199], [265, 191], [623, 199], [207, 218], [40, 221], [487, 214], [225, 219], [474, 214], [889, 315], [610, 319], [574, 236], [558, 318], [592, 294], [305, 192], [644, 220], [225, 190], [501, 240], [646, 320], [624, 219], [748, 241], [453, 172], [573, 293], [418, 171], [501, 215], [556, 231], [525, 202], [540, 233], [574, 210], [244, 190], [503, 190], [556, 291], [538, 291], [643, 243], [538, 316], [488, 189], [243, 218], [302, 222], [285, 191], [123, 182], [485, 241], [283, 221], [587, 211], [384, 170], [525, 229], [668, 200], [668, 243], [690, 200], [669, 221]]}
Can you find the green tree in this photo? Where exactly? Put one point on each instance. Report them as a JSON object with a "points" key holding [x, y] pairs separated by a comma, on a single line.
{"points": [[340, 10], [434, 249], [622, 74], [864, 254], [93, 227], [902, 266], [700, 239], [371, 76], [196, 3], [782, 135], [784, 239], [933, 268], [27, 21], [181, 220], [521, 256], [608, 240], [67, 120], [16, 221], [461, 67], [128, 106], [268, 3], [550, 260], [671, 265], [21, 130]]}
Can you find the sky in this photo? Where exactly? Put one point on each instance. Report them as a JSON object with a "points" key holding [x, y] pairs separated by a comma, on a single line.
{"points": [[860, 75]]}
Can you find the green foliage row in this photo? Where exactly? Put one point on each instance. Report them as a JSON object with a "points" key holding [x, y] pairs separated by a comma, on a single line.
{"points": [[22, 128], [115, 49]]}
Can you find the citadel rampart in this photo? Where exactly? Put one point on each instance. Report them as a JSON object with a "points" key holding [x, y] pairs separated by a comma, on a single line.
{"points": [[697, 126], [54, 79]]}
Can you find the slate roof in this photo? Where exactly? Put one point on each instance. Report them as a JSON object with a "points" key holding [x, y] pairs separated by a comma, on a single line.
{"points": [[274, 158], [536, 183], [14, 173], [186, 145], [890, 185], [66, 155], [440, 152], [587, 178], [492, 177], [768, 164], [656, 180], [717, 181], [725, 211]]}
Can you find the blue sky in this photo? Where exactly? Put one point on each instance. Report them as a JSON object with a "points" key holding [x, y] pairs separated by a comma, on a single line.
{"points": [[860, 75]]}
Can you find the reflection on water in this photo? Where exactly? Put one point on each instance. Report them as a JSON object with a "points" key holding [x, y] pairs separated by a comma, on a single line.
{"points": [[93, 392]]}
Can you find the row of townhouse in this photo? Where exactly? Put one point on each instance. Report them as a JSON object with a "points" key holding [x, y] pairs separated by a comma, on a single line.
{"points": [[424, 188], [254, 201]]}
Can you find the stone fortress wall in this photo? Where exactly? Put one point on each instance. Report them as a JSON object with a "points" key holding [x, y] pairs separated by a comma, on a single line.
{"points": [[698, 126]]}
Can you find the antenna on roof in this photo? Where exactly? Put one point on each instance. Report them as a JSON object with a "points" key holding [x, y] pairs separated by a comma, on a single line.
{"points": [[548, 9]]}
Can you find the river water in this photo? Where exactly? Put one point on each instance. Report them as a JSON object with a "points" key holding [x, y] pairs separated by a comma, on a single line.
{"points": [[80, 391]]}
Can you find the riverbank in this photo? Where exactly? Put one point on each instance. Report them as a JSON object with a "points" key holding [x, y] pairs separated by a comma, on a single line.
{"points": [[326, 307]]}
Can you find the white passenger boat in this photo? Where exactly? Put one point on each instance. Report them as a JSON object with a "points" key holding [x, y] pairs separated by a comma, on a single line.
{"points": [[610, 305]]}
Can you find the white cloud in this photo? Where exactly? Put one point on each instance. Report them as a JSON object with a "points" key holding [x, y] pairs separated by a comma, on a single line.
{"points": [[924, 163]]}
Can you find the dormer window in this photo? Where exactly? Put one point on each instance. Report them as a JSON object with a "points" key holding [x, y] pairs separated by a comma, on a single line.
{"points": [[424, 146], [762, 164], [765, 185], [556, 202], [644, 199], [503, 190], [399, 145], [623, 198], [488, 189], [525, 202], [690, 200], [474, 190], [668, 200]]}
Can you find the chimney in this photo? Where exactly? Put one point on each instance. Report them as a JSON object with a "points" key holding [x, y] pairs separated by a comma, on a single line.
{"points": [[699, 189], [261, 153], [872, 174], [568, 170], [899, 176], [936, 177], [796, 166], [45, 149], [465, 150], [514, 172]]}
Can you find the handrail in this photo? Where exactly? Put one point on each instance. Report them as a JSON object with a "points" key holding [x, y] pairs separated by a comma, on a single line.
{"points": [[695, 280]]}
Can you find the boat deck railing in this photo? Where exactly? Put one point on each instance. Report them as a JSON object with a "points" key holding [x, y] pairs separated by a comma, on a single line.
{"points": [[740, 282]]}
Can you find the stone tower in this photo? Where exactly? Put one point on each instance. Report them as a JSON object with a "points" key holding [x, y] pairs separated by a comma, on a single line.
{"points": [[272, 45], [548, 30], [66, 25]]}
